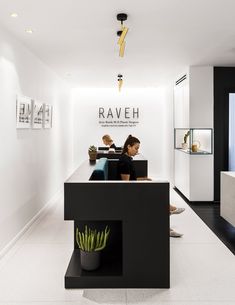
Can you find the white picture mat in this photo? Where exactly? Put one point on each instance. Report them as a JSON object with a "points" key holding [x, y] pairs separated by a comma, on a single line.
{"points": [[47, 116], [23, 112], [37, 117]]}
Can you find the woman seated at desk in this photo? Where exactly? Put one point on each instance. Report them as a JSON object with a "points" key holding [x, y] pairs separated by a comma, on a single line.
{"points": [[126, 171], [107, 140]]}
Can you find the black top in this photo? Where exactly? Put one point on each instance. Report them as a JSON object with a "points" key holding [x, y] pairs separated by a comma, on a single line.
{"points": [[113, 146], [125, 166]]}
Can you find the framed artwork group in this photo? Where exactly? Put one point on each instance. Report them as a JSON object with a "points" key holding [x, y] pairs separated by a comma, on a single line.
{"points": [[31, 113]]}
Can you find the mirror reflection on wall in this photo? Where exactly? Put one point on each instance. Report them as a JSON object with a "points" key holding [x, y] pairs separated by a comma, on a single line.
{"points": [[231, 132]]}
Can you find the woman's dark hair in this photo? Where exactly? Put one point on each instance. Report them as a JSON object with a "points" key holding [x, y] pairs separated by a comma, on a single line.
{"points": [[129, 141]]}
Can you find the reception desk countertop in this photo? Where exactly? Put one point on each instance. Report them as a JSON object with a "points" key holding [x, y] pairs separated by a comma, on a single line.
{"points": [[84, 171]]}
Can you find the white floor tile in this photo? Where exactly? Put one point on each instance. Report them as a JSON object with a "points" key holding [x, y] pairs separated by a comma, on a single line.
{"points": [[199, 272], [36, 273], [147, 301], [148, 298], [80, 301], [202, 272], [51, 230], [57, 210], [192, 227], [190, 224], [105, 296]]}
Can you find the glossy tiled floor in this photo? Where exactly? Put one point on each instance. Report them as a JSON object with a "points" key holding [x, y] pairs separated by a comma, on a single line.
{"points": [[32, 272]]}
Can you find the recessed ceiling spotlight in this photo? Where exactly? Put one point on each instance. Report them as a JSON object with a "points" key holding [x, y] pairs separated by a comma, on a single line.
{"points": [[14, 15], [29, 31]]}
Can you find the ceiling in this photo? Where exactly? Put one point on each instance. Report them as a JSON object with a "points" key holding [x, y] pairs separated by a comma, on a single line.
{"points": [[77, 39]]}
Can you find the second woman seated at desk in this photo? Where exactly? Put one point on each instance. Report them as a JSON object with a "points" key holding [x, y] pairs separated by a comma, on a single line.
{"points": [[107, 140]]}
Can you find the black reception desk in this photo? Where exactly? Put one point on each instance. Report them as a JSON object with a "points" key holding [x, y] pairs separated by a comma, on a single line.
{"points": [[137, 253]]}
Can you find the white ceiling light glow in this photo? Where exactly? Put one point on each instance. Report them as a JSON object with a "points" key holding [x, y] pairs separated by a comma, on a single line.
{"points": [[14, 15], [29, 31]]}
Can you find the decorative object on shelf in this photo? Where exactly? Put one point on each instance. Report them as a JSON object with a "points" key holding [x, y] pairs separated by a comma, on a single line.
{"points": [[122, 34], [196, 141], [23, 112], [47, 116], [90, 244], [195, 146], [120, 82], [185, 144], [92, 151]]}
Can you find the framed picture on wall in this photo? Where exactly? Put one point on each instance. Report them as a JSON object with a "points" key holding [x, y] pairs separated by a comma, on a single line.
{"points": [[37, 114], [47, 116], [23, 112]]}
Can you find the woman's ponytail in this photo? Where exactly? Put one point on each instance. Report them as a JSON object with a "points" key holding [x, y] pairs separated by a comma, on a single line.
{"points": [[129, 141]]}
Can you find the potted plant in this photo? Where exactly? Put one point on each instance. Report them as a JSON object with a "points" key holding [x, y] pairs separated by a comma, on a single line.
{"points": [[184, 144], [90, 243], [92, 151]]}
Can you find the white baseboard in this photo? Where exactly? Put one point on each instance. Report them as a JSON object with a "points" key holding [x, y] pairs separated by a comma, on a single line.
{"points": [[39, 214]]}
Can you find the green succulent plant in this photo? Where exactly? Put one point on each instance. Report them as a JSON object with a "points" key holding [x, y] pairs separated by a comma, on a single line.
{"points": [[91, 240], [92, 148], [186, 136]]}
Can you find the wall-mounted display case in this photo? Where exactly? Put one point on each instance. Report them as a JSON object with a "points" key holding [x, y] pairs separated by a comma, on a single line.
{"points": [[196, 141]]}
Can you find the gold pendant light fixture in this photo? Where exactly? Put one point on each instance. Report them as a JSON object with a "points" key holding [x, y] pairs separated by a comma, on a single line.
{"points": [[120, 82], [122, 33], [121, 42]]}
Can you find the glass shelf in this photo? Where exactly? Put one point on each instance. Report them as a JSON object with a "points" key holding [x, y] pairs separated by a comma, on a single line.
{"points": [[195, 141]]}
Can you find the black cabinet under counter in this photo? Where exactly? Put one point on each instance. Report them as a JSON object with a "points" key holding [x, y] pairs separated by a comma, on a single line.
{"points": [[137, 213]]}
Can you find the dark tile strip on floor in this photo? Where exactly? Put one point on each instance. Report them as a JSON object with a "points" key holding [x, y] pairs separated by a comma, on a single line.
{"points": [[210, 214]]}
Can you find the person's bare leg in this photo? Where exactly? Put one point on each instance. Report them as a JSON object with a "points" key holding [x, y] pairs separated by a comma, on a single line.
{"points": [[175, 210], [173, 233], [172, 208]]}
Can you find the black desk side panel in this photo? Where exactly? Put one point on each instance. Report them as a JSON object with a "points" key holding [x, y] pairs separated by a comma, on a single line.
{"points": [[143, 209]]}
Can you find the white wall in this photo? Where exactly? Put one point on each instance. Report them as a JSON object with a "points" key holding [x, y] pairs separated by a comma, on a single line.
{"points": [[155, 128], [201, 84], [33, 163], [194, 109]]}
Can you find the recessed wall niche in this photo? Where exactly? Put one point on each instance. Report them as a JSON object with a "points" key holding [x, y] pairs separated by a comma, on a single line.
{"points": [[111, 257]]}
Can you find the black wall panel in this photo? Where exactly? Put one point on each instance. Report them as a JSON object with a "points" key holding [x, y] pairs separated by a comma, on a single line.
{"points": [[224, 83]]}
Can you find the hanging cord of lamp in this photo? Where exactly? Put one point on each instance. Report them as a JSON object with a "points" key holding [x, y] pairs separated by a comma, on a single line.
{"points": [[120, 82], [122, 34]]}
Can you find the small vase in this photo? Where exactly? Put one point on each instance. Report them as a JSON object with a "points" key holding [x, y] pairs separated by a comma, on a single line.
{"points": [[90, 260], [92, 155], [195, 146], [184, 146]]}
